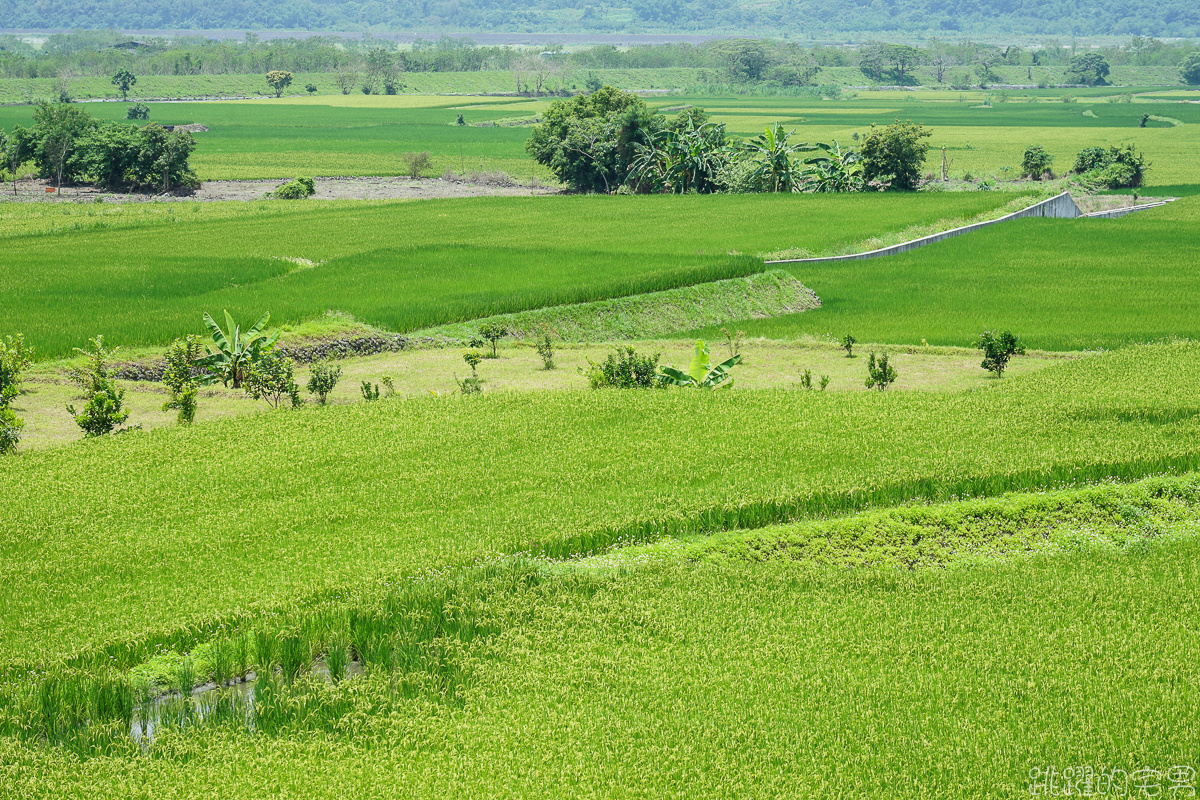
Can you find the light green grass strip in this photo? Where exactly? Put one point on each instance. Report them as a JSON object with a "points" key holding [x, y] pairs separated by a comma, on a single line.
{"points": [[642, 316]]}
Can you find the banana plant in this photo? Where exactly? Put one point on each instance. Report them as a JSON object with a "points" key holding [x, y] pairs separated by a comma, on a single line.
{"points": [[772, 151], [834, 170], [235, 351], [701, 373]]}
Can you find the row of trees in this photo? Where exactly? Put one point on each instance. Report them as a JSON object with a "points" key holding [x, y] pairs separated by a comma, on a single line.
{"points": [[1175, 18], [68, 145], [101, 53], [610, 141]]}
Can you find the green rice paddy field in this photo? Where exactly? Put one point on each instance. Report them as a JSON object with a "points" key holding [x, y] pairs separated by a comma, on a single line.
{"points": [[145, 275], [1066, 284], [758, 593], [365, 135]]}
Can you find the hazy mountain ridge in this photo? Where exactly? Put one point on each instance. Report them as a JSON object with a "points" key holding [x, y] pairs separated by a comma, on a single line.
{"points": [[795, 17]]}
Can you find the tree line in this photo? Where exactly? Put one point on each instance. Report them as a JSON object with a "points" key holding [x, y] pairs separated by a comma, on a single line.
{"points": [[1175, 18], [102, 53]]}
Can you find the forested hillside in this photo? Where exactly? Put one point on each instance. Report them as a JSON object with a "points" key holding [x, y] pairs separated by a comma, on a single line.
{"points": [[795, 17]]}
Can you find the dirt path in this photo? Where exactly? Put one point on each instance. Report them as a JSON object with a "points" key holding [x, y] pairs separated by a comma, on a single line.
{"points": [[347, 188]]}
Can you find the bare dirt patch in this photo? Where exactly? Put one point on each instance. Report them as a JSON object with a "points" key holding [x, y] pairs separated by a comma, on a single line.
{"points": [[341, 188]]}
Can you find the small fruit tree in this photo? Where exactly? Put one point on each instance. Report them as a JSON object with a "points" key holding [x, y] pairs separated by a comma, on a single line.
{"points": [[998, 349]]}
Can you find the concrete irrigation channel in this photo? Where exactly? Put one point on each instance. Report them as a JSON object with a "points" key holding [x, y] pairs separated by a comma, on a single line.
{"points": [[1061, 206]]}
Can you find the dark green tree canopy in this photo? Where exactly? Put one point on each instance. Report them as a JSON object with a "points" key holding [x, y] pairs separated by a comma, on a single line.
{"points": [[895, 154], [1190, 69], [68, 145], [587, 141], [124, 80], [1089, 68]]}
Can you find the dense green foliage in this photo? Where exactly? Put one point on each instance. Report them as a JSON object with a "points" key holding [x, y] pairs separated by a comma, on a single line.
{"points": [[368, 135], [1122, 167], [68, 144], [895, 154], [1036, 162], [624, 368], [1116, 273], [406, 266], [296, 189], [75, 571], [15, 357], [998, 349], [1190, 69], [587, 141], [1091, 17], [1089, 68]]}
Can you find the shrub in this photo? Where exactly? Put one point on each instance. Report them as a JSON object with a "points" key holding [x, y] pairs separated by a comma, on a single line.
{"points": [[880, 373], [15, 356], [138, 111], [10, 429], [738, 176], [185, 402], [105, 410], [1090, 158], [1036, 162], [895, 154], [369, 392], [471, 384], [416, 163], [272, 378], [296, 189], [545, 346], [182, 377], [998, 349], [624, 368], [311, 88], [323, 379], [806, 381], [493, 332], [1122, 167], [848, 343]]}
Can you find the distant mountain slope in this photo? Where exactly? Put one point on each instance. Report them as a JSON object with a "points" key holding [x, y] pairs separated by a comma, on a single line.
{"points": [[1049, 17]]}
